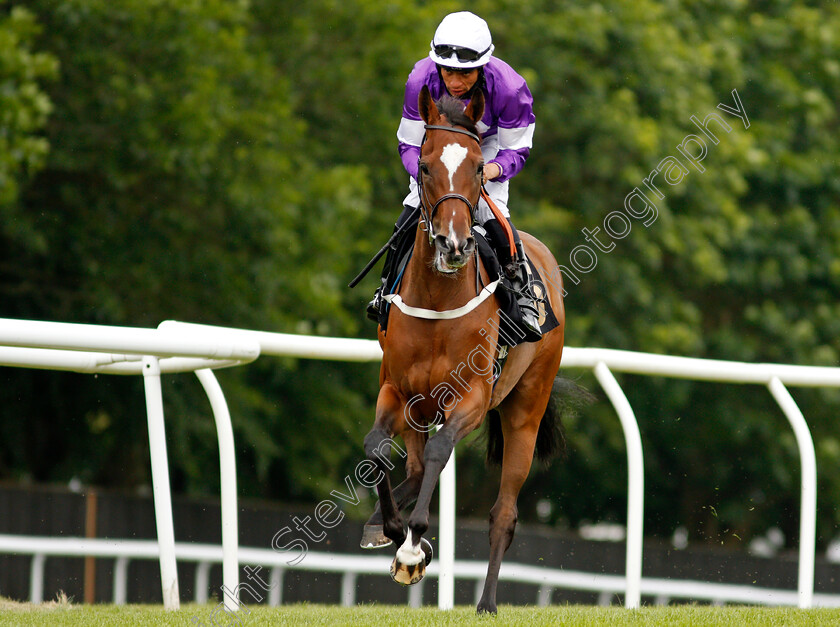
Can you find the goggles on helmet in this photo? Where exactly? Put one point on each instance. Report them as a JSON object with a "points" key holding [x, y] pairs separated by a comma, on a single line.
{"points": [[463, 54]]}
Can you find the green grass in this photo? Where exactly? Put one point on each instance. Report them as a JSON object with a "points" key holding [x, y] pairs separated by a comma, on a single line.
{"points": [[65, 613]]}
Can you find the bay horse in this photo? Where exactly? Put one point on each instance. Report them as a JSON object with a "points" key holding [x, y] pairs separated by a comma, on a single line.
{"points": [[431, 370]]}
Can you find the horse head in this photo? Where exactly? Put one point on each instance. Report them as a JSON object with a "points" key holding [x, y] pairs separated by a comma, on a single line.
{"points": [[450, 176]]}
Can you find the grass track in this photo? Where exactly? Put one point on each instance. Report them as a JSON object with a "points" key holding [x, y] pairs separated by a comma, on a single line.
{"points": [[385, 616]]}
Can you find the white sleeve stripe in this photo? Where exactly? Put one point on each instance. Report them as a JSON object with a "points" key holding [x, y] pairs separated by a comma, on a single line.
{"points": [[411, 131], [516, 138]]}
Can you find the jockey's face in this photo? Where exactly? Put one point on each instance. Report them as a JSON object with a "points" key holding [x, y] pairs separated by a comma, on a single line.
{"points": [[459, 82]]}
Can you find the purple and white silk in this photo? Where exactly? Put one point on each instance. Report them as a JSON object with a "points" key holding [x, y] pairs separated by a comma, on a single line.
{"points": [[507, 127]]}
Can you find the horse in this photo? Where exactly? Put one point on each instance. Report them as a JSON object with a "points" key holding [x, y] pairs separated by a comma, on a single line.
{"points": [[436, 369]]}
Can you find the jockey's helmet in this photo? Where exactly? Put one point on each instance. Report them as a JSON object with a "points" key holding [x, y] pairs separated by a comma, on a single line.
{"points": [[462, 41]]}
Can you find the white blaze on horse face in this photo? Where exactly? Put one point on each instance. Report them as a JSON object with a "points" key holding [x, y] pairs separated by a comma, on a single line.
{"points": [[453, 236], [440, 264], [452, 157]]}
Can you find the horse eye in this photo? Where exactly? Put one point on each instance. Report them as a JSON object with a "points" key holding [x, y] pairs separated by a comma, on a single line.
{"points": [[480, 170], [424, 168]]}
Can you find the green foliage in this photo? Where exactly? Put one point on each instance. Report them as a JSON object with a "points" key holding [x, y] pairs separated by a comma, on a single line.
{"points": [[179, 185], [738, 264], [24, 108], [235, 163]]}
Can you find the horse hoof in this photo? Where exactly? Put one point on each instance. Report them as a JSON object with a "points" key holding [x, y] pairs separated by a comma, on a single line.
{"points": [[409, 574], [373, 538], [406, 575], [486, 609]]}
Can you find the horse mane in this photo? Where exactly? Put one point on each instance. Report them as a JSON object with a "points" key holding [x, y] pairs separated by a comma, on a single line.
{"points": [[453, 109]]}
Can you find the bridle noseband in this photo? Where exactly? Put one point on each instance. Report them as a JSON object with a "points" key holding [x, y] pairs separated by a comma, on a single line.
{"points": [[428, 213]]}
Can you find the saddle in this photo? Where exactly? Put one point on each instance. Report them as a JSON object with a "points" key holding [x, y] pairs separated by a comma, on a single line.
{"points": [[511, 330]]}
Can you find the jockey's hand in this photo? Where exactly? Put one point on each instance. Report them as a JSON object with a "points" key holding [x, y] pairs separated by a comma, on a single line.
{"points": [[491, 171]]}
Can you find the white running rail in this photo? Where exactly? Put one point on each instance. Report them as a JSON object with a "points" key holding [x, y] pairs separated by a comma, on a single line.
{"points": [[146, 352], [183, 347], [774, 376], [351, 566], [603, 362]]}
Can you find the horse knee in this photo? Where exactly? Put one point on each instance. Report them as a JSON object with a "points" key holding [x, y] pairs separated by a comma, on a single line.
{"points": [[437, 451], [377, 446]]}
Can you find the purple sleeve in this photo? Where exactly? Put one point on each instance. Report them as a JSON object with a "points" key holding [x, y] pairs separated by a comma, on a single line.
{"points": [[511, 162], [410, 132], [410, 156], [515, 132]]}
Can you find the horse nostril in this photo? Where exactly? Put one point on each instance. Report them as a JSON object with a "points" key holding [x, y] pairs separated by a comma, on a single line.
{"points": [[468, 246], [442, 243]]}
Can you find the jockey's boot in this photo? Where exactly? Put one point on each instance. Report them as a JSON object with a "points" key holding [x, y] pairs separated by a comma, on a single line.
{"points": [[407, 218], [522, 284], [374, 307]]}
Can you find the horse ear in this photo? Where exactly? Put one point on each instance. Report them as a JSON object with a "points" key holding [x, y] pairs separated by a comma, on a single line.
{"points": [[475, 110], [428, 110]]}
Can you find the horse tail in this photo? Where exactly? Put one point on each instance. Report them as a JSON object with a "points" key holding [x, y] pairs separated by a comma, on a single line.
{"points": [[567, 398]]}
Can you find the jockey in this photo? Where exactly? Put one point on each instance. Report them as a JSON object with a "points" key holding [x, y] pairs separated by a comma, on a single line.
{"points": [[459, 63]]}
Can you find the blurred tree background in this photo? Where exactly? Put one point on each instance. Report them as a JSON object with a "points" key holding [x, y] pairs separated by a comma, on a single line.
{"points": [[234, 163]]}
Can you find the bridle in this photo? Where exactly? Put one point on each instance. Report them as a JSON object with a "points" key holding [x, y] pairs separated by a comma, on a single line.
{"points": [[426, 212]]}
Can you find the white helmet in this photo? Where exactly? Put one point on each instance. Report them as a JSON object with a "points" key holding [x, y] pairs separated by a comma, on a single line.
{"points": [[462, 41]]}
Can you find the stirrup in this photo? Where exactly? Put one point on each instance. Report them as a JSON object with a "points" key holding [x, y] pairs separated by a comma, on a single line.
{"points": [[374, 307], [526, 298], [529, 312], [372, 311]]}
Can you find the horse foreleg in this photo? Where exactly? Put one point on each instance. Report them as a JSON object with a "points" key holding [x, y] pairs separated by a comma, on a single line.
{"points": [[516, 463], [411, 559], [378, 450], [404, 494], [373, 536]]}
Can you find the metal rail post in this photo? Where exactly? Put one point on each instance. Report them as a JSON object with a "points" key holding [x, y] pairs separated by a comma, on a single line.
{"points": [[227, 464], [446, 545], [160, 483], [808, 507], [635, 483]]}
